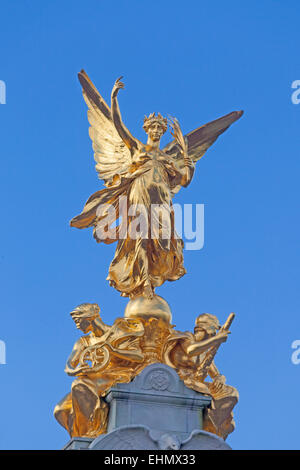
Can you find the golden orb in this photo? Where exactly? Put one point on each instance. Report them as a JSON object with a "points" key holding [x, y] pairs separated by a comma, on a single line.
{"points": [[144, 308]]}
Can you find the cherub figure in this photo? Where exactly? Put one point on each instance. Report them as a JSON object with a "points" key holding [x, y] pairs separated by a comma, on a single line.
{"points": [[140, 181], [105, 356]]}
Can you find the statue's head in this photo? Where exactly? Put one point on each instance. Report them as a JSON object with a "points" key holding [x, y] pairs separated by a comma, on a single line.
{"points": [[206, 324], [83, 316], [155, 126], [169, 442]]}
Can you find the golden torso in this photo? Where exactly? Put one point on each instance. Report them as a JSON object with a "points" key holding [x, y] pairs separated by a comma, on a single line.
{"points": [[154, 181], [179, 357]]}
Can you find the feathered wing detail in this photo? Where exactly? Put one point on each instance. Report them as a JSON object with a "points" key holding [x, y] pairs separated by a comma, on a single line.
{"points": [[131, 437], [111, 154], [203, 440], [199, 140]]}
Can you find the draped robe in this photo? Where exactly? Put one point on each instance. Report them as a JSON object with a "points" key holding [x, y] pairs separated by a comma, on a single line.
{"points": [[155, 254]]}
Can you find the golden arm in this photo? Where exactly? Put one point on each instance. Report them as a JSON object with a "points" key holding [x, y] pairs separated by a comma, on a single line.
{"points": [[196, 348], [117, 119], [73, 360]]}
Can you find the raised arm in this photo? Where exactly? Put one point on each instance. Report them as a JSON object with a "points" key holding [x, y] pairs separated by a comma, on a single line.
{"points": [[197, 347], [123, 132]]}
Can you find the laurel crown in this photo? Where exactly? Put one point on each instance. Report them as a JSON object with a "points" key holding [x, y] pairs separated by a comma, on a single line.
{"points": [[155, 118]]}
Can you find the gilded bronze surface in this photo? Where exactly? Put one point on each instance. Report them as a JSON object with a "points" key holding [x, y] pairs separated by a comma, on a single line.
{"points": [[117, 353], [192, 355], [140, 175], [108, 354], [137, 174]]}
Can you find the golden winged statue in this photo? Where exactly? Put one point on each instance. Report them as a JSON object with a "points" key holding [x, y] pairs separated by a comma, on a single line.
{"points": [[140, 180]]}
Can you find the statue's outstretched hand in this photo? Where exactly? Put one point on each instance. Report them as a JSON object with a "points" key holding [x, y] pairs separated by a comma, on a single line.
{"points": [[117, 86], [222, 335]]}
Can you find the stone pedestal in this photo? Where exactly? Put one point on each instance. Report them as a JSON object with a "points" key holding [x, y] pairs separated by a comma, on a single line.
{"points": [[78, 443], [157, 398], [155, 411]]}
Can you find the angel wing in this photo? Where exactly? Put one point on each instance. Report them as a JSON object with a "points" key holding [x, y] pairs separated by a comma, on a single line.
{"points": [[111, 154], [203, 440], [131, 437], [200, 140]]}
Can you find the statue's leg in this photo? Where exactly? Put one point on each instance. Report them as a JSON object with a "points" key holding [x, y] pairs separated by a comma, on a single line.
{"points": [[62, 411], [219, 418], [89, 411], [128, 272]]}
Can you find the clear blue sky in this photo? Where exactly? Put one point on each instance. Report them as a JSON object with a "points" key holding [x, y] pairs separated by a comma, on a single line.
{"points": [[195, 60]]}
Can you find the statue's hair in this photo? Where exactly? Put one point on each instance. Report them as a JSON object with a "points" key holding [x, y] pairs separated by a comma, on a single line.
{"points": [[208, 318], [85, 311], [153, 118]]}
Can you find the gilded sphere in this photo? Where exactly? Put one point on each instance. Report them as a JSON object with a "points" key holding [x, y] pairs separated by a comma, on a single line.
{"points": [[144, 308]]}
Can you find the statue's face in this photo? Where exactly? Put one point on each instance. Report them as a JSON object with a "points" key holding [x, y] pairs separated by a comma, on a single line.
{"points": [[83, 324], [155, 131], [203, 330], [200, 333]]}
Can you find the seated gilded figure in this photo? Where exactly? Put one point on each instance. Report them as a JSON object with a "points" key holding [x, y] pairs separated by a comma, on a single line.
{"points": [[192, 355], [105, 356]]}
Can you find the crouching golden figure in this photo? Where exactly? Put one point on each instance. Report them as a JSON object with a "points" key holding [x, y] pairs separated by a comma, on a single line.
{"points": [[192, 355], [140, 181]]}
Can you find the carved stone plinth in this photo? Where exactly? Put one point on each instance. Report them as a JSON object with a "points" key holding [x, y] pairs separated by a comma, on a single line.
{"points": [[154, 411], [157, 398]]}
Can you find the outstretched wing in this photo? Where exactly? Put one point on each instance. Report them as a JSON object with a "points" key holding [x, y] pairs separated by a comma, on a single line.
{"points": [[131, 437], [111, 154], [200, 140], [203, 440]]}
